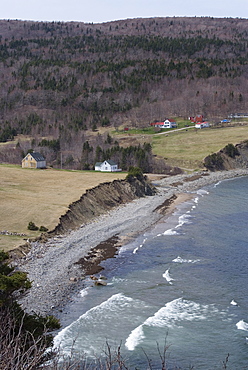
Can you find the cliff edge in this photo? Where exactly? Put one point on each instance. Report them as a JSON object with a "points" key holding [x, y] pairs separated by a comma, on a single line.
{"points": [[231, 157], [101, 199]]}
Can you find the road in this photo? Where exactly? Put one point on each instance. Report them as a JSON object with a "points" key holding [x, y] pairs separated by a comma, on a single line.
{"points": [[171, 131]]}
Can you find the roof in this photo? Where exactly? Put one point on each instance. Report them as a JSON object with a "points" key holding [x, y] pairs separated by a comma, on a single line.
{"points": [[157, 123], [37, 156], [112, 163], [170, 120], [109, 161]]}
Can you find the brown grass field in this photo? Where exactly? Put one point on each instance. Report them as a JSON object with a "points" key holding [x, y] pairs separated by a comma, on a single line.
{"points": [[40, 196]]}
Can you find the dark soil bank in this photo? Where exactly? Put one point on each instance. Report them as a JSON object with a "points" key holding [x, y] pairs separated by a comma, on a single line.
{"points": [[101, 199]]}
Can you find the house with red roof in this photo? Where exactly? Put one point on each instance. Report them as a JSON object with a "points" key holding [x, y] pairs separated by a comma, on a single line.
{"points": [[199, 118], [202, 124], [168, 123]]}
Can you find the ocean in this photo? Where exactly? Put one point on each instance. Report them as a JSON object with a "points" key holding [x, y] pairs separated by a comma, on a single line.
{"points": [[183, 286]]}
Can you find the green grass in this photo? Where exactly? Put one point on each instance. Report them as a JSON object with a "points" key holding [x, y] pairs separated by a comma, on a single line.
{"points": [[153, 130], [187, 149], [136, 131]]}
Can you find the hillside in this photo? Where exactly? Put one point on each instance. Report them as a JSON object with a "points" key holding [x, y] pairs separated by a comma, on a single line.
{"points": [[65, 86]]}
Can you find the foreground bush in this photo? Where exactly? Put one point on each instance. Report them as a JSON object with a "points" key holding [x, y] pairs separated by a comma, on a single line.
{"points": [[24, 338]]}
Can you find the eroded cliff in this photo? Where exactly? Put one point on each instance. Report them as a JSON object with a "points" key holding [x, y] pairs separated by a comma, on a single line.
{"points": [[229, 158], [101, 199]]}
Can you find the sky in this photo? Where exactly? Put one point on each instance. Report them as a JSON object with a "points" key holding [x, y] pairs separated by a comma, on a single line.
{"points": [[99, 11]]}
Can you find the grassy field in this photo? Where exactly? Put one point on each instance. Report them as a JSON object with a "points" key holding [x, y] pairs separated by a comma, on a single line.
{"points": [[40, 196], [187, 149]]}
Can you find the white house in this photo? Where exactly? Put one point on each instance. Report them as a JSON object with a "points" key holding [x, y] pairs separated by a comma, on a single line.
{"points": [[34, 160], [168, 123], [201, 124], [107, 166]]}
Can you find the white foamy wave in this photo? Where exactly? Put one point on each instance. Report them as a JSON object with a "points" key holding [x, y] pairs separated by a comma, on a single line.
{"points": [[167, 276], [196, 200], [67, 338], [140, 246], [171, 315], [183, 260], [135, 338], [171, 232], [84, 292], [184, 219], [218, 183], [177, 310], [202, 192], [242, 325], [233, 303]]}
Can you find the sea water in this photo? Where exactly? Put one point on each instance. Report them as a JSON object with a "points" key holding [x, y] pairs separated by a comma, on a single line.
{"points": [[183, 286]]}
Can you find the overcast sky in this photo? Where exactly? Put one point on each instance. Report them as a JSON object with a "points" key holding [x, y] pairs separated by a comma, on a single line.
{"points": [[98, 11]]}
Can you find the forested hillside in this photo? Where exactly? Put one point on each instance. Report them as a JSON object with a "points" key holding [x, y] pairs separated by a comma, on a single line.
{"points": [[60, 82]]}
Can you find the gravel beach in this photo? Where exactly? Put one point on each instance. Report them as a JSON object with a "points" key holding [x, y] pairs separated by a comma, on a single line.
{"points": [[52, 266]]}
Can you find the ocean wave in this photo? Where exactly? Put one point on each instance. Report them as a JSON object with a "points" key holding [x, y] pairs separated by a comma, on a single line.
{"points": [[140, 246], [202, 192], [135, 338], [183, 260], [84, 292], [217, 183], [71, 336], [167, 276], [169, 316], [242, 325], [170, 232], [183, 219]]}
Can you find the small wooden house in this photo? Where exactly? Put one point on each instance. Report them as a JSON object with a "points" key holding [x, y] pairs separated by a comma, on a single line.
{"points": [[33, 160], [107, 166]]}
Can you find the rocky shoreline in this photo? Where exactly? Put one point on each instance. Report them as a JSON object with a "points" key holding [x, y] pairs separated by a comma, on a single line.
{"points": [[57, 268]]}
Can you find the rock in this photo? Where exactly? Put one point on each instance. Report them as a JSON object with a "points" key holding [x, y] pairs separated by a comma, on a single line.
{"points": [[93, 277], [100, 282], [73, 279]]}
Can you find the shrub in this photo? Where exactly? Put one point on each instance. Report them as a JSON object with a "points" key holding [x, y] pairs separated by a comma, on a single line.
{"points": [[32, 226], [134, 172], [24, 337], [214, 162], [43, 228], [231, 150]]}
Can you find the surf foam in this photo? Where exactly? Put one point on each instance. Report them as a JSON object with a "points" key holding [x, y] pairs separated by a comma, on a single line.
{"points": [[167, 276], [242, 325], [183, 260], [171, 315]]}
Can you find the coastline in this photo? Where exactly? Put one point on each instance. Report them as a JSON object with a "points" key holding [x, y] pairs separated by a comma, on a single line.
{"points": [[53, 267]]}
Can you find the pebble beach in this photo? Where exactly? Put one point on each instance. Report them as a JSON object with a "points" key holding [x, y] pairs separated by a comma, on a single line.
{"points": [[53, 267]]}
